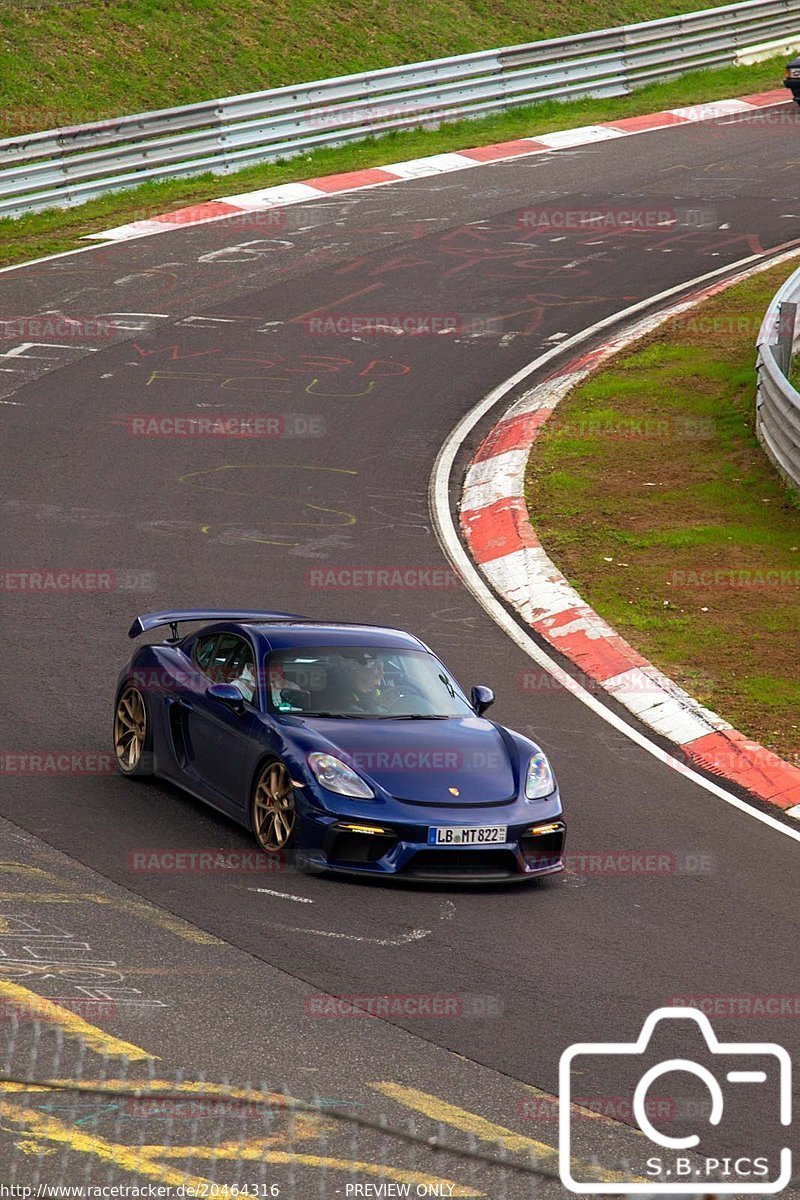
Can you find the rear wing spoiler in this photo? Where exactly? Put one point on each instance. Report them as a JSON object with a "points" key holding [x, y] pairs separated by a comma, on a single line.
{"points": [[153, 620]]}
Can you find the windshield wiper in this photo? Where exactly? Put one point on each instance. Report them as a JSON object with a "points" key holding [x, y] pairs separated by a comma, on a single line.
{"points": [[416, 717], [375, 716], [337, 715]]}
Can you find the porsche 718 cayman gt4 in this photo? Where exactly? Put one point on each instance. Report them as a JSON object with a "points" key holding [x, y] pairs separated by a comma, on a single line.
{"points": [[349, 746]]}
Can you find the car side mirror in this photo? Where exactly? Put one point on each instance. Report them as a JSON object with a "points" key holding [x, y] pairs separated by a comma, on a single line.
{"points": [[482, 698], [227, 694]]}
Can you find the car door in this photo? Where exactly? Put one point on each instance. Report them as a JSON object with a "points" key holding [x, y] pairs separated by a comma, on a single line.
{"points": [[220, 741]]}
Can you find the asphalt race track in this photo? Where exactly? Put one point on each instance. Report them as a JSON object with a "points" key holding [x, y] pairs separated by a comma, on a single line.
{"points": [[229, 318]]}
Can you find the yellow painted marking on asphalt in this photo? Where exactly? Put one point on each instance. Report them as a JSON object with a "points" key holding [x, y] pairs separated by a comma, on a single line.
{"points": [[34, 1148], [197, 1085], [217, 1089], [300, 1128], [458, 1118], [259, 1150], [129, 1158], [143, 1160], [18, 868], [190, 475], [306, 1129], [303, 1125], [159, 1086], [6, 1086], [134, 908], [4, 925], [45, 897], [166, 1088], [95, 1039]]}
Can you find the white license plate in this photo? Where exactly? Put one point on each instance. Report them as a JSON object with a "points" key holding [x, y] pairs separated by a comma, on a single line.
{"points": [[460, 835]]}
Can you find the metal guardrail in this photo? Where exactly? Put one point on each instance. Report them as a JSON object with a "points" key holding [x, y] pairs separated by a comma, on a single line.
{"points": [[777, 401], [63, 167], [85, 1121]]}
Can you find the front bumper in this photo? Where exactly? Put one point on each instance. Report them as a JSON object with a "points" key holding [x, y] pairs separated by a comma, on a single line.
{"points": [[382, 845]]}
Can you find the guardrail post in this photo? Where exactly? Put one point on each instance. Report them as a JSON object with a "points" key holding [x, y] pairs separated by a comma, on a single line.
{"points": [[784, 343]]}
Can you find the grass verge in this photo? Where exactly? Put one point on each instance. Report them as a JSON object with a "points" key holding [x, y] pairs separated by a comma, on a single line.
{"points": [[64, 64], [38, 234], [650, 491]]}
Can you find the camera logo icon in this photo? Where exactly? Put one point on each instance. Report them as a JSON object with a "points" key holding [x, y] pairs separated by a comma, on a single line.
{"points": [[673, 1170]]}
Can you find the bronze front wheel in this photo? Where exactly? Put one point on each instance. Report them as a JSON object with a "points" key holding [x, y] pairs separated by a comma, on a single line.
{"points": [[274, 810]]}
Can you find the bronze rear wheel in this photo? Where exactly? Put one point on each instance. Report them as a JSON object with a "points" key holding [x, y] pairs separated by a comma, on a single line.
{"points": [[131, 732]]}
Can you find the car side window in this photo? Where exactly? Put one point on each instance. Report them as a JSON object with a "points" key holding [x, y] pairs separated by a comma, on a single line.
{"points": [[203, 650], [231, 661]]}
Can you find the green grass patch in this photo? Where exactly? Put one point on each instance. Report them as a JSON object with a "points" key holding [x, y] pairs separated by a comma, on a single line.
{"points": [[681, 533], [88, 59], [39, 234]]}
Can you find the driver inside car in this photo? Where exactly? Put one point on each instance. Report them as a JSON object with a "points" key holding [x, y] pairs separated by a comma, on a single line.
{"points": [[368, 682], [355, 685]]}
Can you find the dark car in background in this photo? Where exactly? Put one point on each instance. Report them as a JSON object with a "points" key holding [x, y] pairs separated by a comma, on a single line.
{"points": [[791, 79]]}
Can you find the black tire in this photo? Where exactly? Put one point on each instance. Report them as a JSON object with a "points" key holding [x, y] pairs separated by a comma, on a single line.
{"points": [[133, 732]]}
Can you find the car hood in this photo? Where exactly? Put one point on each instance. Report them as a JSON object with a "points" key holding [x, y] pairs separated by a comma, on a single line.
{"points": [[426, 762]]}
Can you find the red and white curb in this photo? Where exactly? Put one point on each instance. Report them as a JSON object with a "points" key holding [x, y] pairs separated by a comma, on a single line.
{"points": [[503, 544], [286, 194]]}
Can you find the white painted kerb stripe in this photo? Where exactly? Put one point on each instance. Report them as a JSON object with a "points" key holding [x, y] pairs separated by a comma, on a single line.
{"points": [[439, 499], [580, 136]]}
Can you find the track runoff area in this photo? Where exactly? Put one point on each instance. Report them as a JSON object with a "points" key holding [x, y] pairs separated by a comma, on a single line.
{"points": [[219, 976]]}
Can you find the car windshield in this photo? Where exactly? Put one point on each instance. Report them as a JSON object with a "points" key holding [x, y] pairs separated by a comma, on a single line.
{"points": [[350, 681]]}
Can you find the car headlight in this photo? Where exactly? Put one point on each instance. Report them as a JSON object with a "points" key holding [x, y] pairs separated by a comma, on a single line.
{"points": [[336, 776], [539, 781]]}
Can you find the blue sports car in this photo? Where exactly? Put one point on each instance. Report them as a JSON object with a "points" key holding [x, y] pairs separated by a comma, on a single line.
{"points": [[349, 747]]}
